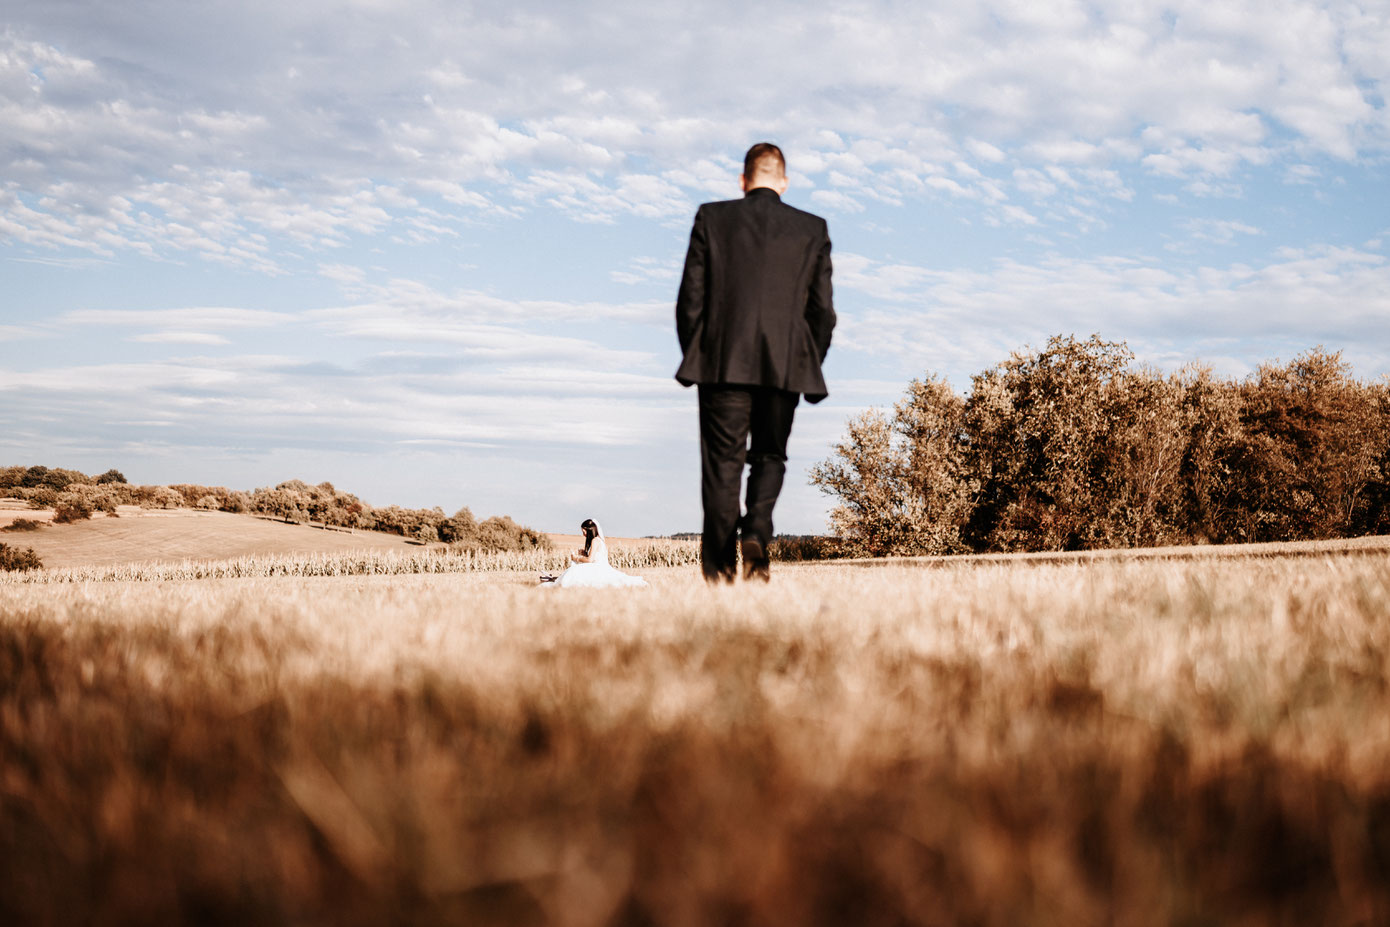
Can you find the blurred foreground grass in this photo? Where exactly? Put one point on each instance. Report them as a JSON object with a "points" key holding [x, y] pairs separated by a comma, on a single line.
{"points": [[996, 744]]}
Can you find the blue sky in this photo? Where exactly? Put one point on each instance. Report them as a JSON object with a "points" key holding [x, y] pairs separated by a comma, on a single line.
{"points": [[429, 250]]}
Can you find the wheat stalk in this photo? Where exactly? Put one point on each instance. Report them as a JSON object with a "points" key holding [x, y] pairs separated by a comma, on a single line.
{"points": [[357, 563]]}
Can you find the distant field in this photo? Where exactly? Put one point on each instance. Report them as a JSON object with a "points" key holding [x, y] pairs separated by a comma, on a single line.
{"points": [[574, 541], [1006, 742], [144, 535], [179, 534], [11, 509]]}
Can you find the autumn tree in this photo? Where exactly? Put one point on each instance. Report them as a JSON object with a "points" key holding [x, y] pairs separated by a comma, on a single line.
{"points": [[1315, 440], [1073, 448], [19, 558], [1039, 432], [283, 503], [901, 483]]}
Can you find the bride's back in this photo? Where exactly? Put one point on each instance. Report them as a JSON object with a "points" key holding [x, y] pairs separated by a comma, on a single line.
{"points": [[598, 553]]}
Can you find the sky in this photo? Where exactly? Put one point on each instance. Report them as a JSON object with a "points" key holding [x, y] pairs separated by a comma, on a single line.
{"points": [[428, 251]]}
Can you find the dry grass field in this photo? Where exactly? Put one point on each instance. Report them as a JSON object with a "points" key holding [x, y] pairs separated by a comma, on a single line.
{"points": [[179, 534], [175, 535], [11, 509], [574, 541], [1093, 741], [420, 559]]}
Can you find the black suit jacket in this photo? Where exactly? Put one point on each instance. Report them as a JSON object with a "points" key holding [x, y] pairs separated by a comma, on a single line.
{"points": [[755, 304]]}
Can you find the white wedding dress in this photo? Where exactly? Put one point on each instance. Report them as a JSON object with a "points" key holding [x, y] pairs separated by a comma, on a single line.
{"points": [[598, 573]]}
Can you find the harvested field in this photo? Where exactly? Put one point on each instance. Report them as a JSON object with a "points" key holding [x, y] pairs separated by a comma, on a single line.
{"points": [[569, 542], [144, 535], [13, 509], [1107, 742], [433, 559]]}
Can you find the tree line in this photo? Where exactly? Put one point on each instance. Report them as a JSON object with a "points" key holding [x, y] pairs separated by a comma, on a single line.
{"points": [[1074, 447], [75, 496]]}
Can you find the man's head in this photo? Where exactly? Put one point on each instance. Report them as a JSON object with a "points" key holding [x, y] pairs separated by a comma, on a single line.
{"points": [[764, 166]]}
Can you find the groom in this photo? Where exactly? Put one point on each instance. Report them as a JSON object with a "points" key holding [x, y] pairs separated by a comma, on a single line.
{"points": [[754, 317]]}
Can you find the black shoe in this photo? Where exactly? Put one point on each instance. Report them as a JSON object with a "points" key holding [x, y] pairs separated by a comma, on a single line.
{"points": [[715, 577], [755, 562]]}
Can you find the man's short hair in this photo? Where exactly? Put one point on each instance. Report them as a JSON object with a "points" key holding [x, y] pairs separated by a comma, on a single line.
{"points": [[764, 157]]}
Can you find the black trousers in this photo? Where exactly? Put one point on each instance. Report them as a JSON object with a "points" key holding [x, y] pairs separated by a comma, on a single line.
{"points": [[740, 424]]}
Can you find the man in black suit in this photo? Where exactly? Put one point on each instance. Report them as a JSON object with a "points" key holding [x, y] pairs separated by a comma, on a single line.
{"points": [[754, 317]]}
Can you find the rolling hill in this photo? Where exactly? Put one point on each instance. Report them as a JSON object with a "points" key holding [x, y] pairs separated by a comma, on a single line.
{"points": [[179, 534]]}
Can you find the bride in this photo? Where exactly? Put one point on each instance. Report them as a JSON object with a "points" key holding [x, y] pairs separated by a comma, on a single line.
{"points": [[590, 567]]}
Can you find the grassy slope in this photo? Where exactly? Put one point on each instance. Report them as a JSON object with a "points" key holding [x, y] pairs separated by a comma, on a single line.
{"points": [[187, 534], [183, 534], [997, 743]]}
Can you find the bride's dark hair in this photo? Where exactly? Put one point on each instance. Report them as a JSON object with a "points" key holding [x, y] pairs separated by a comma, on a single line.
{"points": [[590, 529]]}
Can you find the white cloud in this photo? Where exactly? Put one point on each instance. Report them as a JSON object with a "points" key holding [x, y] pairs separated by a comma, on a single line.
{"points": [[1034, 182], [186, 138], [183, 319], [403, 310], [985, 151], [1219, 231], [1016, 215], [539, 391], [836, 201], [968, 320], [591, 200], [17, 332], [645, 270], [1301, 174], [204, 338]]}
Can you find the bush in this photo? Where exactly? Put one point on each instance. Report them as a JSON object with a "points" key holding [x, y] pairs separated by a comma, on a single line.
{"points": [[500, 533], [23, 524], [876, 515], [13, 558], [789, 548], [1072, 448], [56, 479], [1315, 439], [96, 498], [71, 509], [902, 482], [44, 497], [1040, 430], [237, 502], [460, 529], [162, 497]]}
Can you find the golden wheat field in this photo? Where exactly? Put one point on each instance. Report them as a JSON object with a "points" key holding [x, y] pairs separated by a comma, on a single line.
{"points": [[1127, 742]]}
